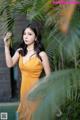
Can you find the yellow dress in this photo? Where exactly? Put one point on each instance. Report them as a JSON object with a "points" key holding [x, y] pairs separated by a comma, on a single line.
{"points": [[30, 71]]}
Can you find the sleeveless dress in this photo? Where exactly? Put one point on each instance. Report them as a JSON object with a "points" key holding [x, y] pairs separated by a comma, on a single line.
{"points": [[30, 73]]}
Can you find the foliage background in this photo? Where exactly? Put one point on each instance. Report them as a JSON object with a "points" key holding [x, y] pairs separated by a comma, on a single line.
{"points": [[60, 27]]}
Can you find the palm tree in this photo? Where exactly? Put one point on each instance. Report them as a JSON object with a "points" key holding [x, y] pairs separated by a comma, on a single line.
{"points": [[60, 35]]}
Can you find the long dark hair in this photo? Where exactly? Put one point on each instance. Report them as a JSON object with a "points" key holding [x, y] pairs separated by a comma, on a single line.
{"points": [[38, 46]]}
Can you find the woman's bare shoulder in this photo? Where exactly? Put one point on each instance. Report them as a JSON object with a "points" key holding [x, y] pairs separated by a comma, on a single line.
{"points": [[43, 54]]}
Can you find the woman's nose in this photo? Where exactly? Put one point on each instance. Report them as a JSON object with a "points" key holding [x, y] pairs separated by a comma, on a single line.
{"points": [[26, 37]]}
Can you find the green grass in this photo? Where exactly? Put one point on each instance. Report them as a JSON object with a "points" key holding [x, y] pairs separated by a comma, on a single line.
{"points": [[10, 108]]}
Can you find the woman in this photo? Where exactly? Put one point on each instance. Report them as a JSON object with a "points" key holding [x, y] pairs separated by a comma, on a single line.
{"points": [[32, 60]]}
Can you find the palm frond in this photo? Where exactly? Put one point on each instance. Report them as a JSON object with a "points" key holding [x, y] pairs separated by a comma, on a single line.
{"points": [[65, 48], [5, 15], [54, 91]]}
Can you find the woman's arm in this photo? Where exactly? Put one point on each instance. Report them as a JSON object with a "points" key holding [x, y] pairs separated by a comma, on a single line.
{"points": [[10, 61], [45, 63]]}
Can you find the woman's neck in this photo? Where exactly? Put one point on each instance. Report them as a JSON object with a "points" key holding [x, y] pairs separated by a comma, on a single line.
{"points": [[30, 48]]}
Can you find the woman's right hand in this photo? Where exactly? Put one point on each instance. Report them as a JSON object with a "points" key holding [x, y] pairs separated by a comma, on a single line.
{"points": [[7, 39]]}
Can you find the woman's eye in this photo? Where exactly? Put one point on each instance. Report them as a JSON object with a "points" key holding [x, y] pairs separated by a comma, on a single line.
{"points": [[29, 34]]}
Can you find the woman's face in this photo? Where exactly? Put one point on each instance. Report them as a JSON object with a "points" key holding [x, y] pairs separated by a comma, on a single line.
{"points": [[29, 36]]}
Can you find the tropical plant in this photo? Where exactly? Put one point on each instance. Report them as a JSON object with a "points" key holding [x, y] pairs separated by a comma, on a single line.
{"points": [[61, 37], [54, 97]]}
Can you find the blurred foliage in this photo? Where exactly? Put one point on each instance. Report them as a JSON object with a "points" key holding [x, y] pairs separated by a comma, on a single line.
{"points": [[62, 45]]}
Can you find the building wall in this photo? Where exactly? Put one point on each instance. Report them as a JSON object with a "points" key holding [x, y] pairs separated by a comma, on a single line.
{"points": [[5, 84], [5, 77]]}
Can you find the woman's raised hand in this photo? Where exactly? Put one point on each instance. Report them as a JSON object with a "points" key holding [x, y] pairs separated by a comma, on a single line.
{"points": [[7, 39]]}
